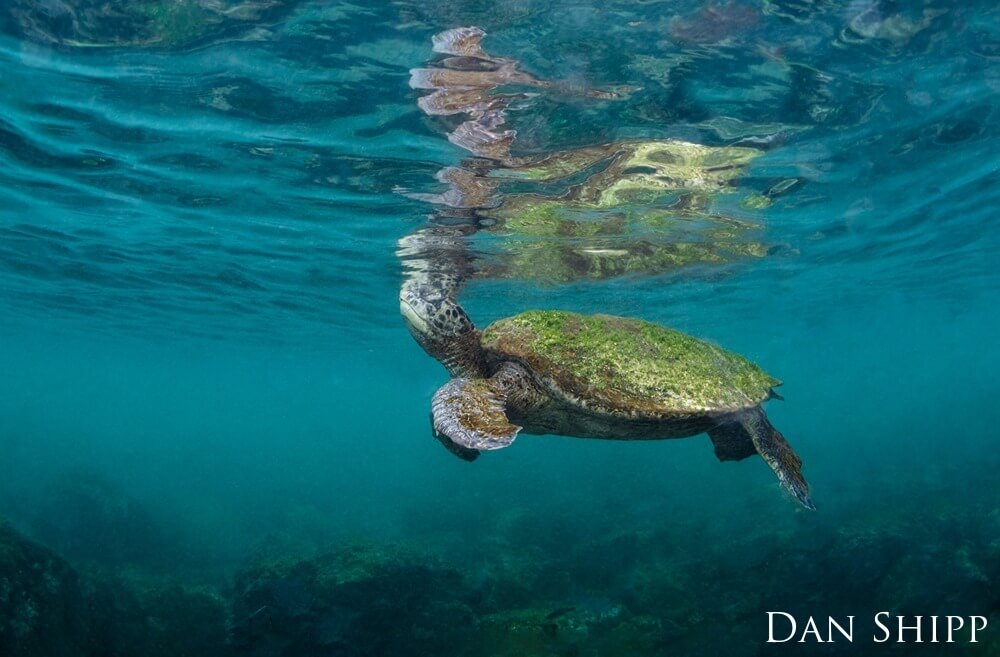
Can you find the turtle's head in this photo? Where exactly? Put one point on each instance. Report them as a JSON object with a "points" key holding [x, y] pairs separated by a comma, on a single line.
{"points": [[441, 326]]}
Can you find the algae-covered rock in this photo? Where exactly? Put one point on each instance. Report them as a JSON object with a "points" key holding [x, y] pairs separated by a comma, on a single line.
{"points": [[132, 614], [607, 630], [50, 609], [354, 601], [41, 602]]}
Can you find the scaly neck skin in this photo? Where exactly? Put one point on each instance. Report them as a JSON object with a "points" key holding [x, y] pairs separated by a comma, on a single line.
{"points": [[463, 356], [441, 326], [460, 352]]}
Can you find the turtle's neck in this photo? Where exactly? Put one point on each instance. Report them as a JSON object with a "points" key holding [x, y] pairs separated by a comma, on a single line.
{"points": [[463, 356]]}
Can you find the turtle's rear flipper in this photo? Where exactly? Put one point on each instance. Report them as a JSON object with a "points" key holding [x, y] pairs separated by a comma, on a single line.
{"points": [[778, 454], [732, 442], [468, 417]]}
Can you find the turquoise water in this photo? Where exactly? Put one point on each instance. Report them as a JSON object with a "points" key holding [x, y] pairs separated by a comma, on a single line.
{"points": [[205, 369]]}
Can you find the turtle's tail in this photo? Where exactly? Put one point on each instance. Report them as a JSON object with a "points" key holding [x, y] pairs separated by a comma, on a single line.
{"points": [[778, 454]]}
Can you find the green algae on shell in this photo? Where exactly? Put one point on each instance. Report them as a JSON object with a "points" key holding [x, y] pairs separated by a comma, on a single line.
{"points": [[627, 366]]}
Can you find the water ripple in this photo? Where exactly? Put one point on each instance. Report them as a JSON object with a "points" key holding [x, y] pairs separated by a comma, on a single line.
{"points": [[255, 179]]}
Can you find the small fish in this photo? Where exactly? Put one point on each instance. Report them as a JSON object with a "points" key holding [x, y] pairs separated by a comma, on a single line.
{"points": [[262, 614]]}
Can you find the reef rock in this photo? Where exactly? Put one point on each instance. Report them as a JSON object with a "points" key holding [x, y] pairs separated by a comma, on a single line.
{"points": [[351, 602], [41, 601], [88, 519]]}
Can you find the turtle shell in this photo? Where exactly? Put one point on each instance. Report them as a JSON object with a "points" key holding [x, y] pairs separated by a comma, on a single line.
{"points": [[629, 367]]}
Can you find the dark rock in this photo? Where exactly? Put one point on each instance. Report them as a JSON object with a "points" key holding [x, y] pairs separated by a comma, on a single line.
{"points": [[88, 519], [48, 609], [134, 616], [352, 602], [41, 601]]}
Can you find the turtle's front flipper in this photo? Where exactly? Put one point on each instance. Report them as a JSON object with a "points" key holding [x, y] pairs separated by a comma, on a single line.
{"points": [[778, 454], [468, 417]]}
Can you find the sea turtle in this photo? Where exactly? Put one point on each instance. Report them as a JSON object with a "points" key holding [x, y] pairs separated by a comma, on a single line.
{"points": [[591, 376]]}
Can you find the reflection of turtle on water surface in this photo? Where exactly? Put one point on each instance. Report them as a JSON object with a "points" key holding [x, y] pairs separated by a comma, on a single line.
{"points": [[545, 239], [563, 261], [641, 209], [637, 171], [621, 208], [551, 372], [135, 23]]}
